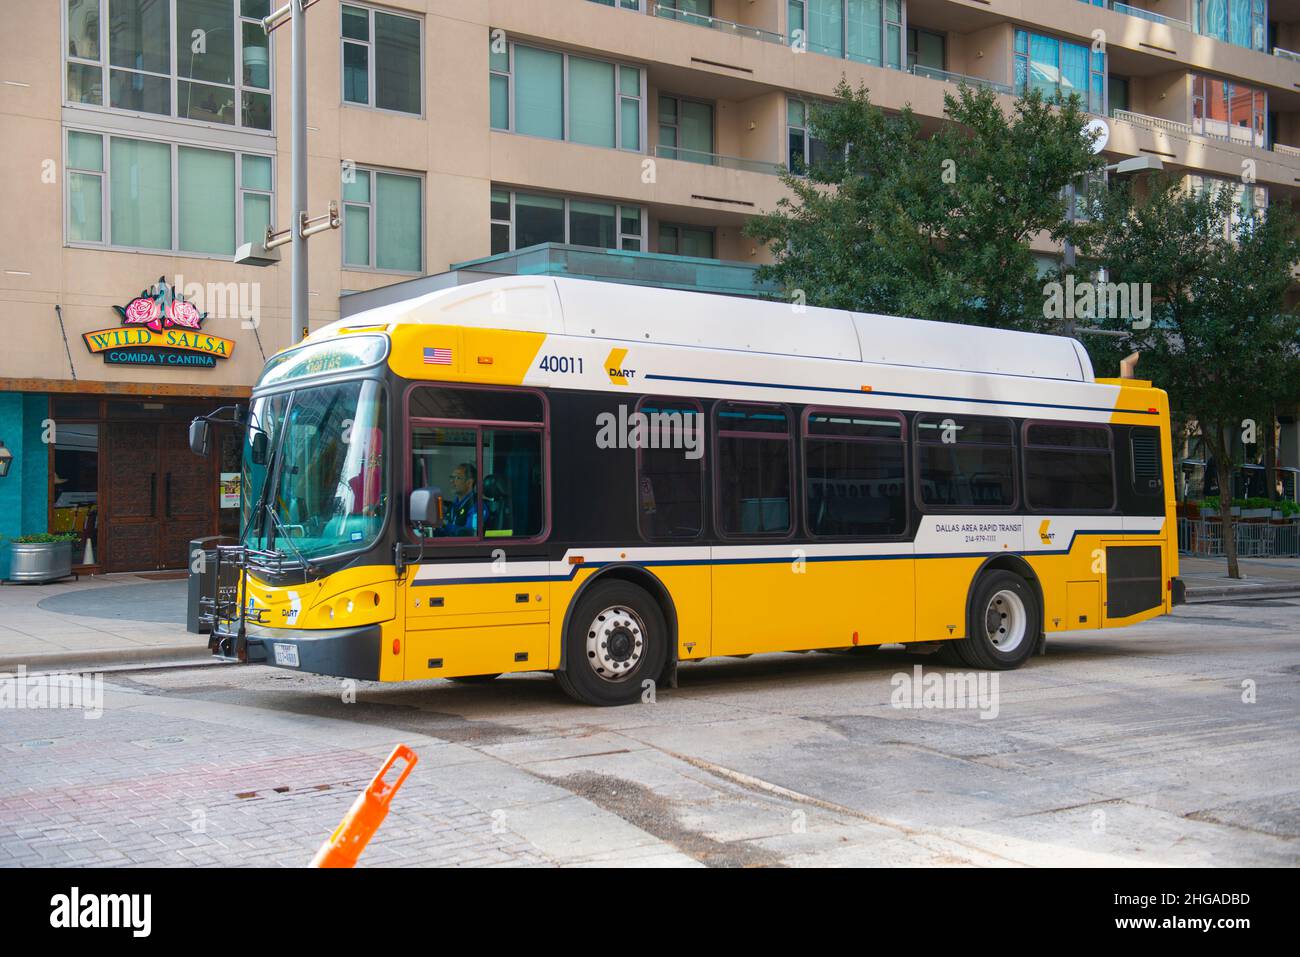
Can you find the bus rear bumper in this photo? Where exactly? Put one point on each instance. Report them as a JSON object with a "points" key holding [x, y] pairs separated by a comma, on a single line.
{"points": [[338, 652], [1177, 592]]}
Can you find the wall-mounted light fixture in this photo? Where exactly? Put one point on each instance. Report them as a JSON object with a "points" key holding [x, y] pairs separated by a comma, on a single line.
{"points": [[6, 459]]}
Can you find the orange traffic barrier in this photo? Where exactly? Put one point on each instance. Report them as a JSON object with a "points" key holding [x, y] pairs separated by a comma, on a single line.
{"points": [[366, 814]]}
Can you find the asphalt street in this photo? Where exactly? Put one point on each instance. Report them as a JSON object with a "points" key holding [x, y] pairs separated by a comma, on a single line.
{"points": [[1169, 743]]}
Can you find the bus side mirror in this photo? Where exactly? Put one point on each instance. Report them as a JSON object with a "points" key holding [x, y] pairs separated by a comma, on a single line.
{"points": [[200, 437], [257, 451], [426, 507]]}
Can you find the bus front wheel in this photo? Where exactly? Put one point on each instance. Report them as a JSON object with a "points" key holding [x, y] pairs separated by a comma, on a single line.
{"points": [[617, 639], [1004, 623]]}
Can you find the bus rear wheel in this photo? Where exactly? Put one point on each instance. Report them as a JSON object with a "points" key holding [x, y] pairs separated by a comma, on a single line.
{"points": [[617, 639], [1004, 623]]}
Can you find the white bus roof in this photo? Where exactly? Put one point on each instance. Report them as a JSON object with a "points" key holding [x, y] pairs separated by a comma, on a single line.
{"points": [[604, 310]]}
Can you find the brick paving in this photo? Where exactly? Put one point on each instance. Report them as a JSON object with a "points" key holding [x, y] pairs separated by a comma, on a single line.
{"points": [[133, 789]]}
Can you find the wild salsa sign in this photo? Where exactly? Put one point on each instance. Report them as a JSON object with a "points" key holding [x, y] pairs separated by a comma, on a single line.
{"points": [[159, 328]]}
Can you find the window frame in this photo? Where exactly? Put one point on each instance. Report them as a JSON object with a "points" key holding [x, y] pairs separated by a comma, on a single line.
{"points": [[677, 126], [408, 449], [711, 230], [104, 64], [1029, 506], [902, 440], [715, 448], [1085, 96], [373, 206], [704, 469], [619, 207], [566, 55], [106, 135], [371, 60], [918, 484]]}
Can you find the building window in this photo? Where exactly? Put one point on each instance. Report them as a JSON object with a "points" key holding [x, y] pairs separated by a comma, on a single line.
{"points": [[1117, 93], [670, 481], [675, 240], [202, 60], [685, 129], [520, 220], [867, 31], [854, 474], [383, 220], [1249, 201], [165, 196], [965, 461], [925, 49], [1060, 68], [557, 96], [804, 149], [622, 4], [1229, 111], [754, 475], [1069, 468], [1242, 23], [381, 59]]}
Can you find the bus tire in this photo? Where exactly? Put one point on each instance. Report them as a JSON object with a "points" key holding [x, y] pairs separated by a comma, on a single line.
{"points": [[475, 679], [1004, 623], [617, 639]]}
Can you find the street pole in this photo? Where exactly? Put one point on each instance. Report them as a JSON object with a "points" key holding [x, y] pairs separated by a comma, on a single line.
{"points": [[298, 267]]}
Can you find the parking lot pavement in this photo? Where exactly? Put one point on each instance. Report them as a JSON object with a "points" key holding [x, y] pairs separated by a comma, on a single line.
{"points": [[1171, 742]]}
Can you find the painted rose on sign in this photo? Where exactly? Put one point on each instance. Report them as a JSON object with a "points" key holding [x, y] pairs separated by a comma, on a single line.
{"points": [[161, 308]]}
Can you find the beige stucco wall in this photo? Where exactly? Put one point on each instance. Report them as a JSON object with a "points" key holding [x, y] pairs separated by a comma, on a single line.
{"points": [[452, 147]]}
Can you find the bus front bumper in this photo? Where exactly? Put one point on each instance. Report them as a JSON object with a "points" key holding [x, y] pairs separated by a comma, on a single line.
{"points": [[338, 652]]}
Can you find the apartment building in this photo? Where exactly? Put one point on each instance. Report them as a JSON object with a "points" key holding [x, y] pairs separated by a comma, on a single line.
{"points": [[147, 139]]}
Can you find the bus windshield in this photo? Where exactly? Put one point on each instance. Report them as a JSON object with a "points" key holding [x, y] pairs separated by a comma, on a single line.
{"points": [[325, 457]]}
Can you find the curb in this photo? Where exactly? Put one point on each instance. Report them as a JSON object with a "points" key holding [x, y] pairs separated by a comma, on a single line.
{"points": [[136, 655], [1216, 592]]}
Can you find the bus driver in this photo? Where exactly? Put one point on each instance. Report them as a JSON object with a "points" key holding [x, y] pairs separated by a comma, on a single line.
{"points": [[461, 518]]}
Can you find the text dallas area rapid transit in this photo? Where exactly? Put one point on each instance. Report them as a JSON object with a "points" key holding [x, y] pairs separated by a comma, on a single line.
{"points": [[859, 480]]}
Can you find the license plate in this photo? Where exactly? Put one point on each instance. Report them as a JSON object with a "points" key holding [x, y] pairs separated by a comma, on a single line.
{"points": [[285, 654]]}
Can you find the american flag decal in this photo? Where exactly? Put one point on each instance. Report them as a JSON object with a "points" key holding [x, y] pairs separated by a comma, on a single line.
{"points": [[437, 357]]}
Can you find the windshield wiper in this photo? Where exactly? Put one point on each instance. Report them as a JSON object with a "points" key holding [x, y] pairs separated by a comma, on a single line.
{"points": [[307, 566]]}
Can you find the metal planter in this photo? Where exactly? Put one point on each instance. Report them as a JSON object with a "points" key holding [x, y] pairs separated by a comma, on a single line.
{"points": [[39, 561]]}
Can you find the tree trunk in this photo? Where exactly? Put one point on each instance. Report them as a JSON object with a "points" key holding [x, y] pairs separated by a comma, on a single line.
{"points": [[1270, 453], [1223, 468]]}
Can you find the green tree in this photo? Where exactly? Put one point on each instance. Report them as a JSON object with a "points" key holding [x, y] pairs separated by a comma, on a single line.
{"points": [[1220, 341], [898, 220]]}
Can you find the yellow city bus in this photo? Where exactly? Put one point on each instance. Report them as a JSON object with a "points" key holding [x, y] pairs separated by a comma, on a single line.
{"points": [[602, 480]]}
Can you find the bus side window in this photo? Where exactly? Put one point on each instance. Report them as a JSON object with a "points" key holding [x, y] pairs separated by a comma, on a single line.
{"points": [[966, 461], [754, 469], [1069, 466], [670, 469], [854, 473]]}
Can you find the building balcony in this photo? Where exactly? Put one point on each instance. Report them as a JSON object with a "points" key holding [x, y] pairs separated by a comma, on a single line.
{"points": [[716, 159], [1150, 15], [717, 23], [946, 76]]}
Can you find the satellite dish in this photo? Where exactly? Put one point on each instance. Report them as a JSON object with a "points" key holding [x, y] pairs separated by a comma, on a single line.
{"points": [[1100, 127]]}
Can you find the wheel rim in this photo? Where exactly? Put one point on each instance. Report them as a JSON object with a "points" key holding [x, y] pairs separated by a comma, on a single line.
{"points": [[615, 643], [1005, 621]]}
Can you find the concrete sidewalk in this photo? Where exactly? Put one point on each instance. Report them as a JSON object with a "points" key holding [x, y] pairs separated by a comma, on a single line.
{"points": [[128, 619], [101, 620]]}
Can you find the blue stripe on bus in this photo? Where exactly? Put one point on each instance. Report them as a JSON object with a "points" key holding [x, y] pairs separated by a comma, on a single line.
{"points": [[774, 560], [897, 395]]}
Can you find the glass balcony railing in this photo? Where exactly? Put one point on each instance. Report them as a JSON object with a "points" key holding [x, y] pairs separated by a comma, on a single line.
{"points": [[976, 81], [716, 159], [1288, 54], [1148, 15], [716, 23]]}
